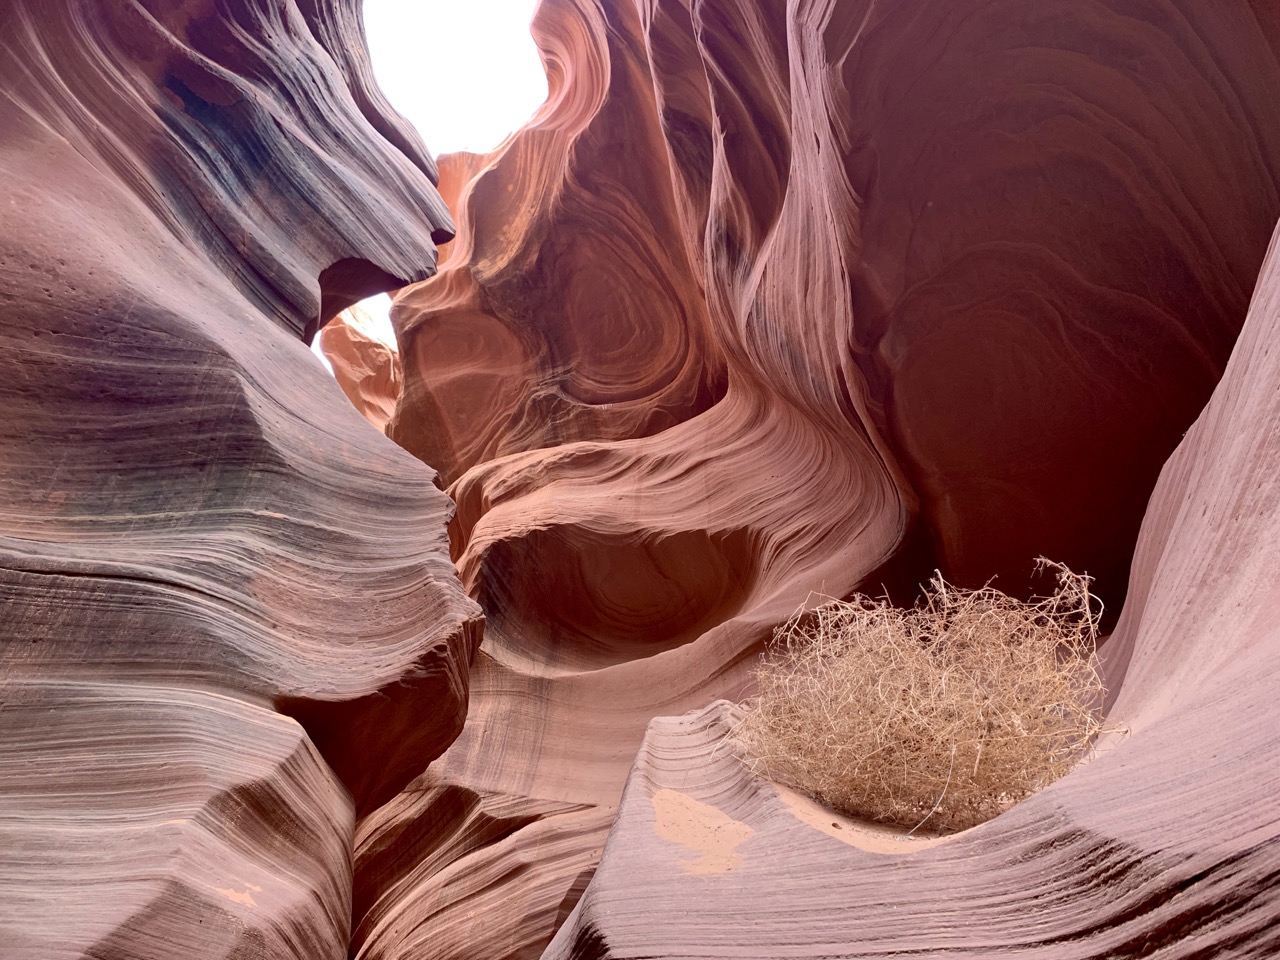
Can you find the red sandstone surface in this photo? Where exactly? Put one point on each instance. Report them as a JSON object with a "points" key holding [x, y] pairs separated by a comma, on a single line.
{"points": [[229, 620], [366, 368], [776, 301], [1164, 845], [769, 301]]}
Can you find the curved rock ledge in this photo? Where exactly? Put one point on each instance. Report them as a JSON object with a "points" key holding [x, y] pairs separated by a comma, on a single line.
{"points": [[198, 534], [779, 300], [1166, 844], [367, 370]]}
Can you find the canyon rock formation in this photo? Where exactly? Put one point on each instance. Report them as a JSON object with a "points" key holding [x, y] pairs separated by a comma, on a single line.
{"points": [[366, 368], [1166, 844], [773, 301], [768, 302], [229, 617]]}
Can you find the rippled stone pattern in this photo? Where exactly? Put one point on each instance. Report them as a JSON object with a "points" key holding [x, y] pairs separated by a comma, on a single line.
{"points": [[773, 300], [366, 368], [1166, 844], [228, 620]]}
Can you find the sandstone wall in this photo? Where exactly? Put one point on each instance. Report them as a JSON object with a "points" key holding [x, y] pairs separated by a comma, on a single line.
{"points": [[228, 620], [775, 300]]}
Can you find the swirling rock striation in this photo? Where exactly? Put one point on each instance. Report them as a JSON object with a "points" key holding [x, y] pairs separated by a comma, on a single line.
{"points": [[1166, 844], [227, 615], [366, 368], [773, 300]]}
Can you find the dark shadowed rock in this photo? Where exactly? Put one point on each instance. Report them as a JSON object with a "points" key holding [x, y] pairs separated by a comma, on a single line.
{"points": [[228, 617]]}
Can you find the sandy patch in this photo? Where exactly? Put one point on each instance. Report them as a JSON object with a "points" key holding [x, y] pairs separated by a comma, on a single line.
{"points": [[709, 832], [872, 837]]}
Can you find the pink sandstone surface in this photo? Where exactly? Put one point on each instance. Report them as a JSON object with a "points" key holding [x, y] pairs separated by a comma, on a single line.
{"points": [[229, 619], [1165, 844], [772, 301], [769, 301]]}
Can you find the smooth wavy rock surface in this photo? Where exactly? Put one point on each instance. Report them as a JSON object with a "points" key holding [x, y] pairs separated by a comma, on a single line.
{"points": [[227, 614], [775, 300], [366, 368], [1166, 844]]}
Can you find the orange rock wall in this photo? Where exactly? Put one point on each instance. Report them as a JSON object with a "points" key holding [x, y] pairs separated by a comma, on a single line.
{"points": [[367, 370], [228, 619], [1165, 844], [780, 300], [769, 301]]}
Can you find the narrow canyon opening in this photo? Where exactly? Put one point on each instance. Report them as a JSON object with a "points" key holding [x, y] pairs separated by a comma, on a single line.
{"points": [[482, 81], [761, 302]]}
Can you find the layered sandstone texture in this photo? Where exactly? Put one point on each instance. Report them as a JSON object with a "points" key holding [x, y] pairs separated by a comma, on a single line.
{"points": [[366, 366], [228, 617], [781, 300], [1167, 844]]}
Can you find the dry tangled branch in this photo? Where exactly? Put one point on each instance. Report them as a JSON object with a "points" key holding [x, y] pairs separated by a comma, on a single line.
{"points": [[945, 714]]}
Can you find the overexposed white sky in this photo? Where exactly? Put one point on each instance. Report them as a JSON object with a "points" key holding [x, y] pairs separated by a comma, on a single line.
{"points": [[464, 72]]}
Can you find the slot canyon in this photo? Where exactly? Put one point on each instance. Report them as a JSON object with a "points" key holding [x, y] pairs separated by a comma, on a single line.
{"points": [[439, 656]]}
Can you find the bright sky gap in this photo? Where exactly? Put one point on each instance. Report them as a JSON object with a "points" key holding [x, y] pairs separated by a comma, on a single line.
{"points": [[465, 73]]}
